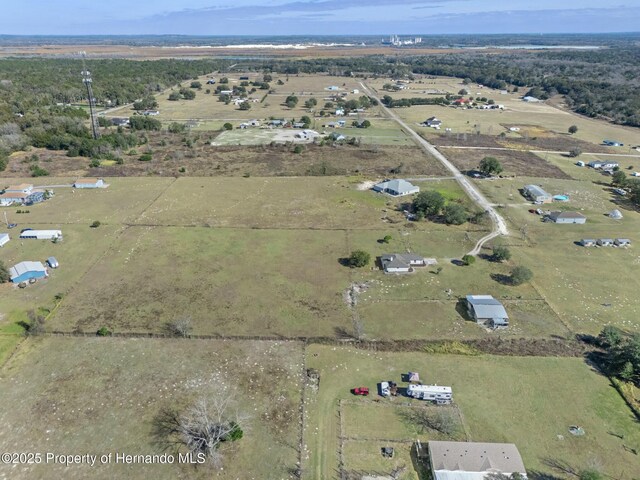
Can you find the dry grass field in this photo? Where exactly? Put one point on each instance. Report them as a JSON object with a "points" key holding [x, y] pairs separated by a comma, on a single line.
{"points": [[101, 396]]}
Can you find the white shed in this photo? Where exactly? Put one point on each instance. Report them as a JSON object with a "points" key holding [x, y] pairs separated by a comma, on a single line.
{"points": [[42, 234]]}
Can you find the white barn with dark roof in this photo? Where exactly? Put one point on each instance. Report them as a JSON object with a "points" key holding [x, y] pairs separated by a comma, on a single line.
{"points": [[473, 461]]}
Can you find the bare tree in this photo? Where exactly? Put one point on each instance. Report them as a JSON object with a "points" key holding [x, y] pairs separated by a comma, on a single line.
{"points": [[441, 420], [181, 326], [207, 427], [35, 326], [358, 326]]}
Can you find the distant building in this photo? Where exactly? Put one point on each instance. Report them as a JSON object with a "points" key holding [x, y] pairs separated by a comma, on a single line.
{"points": [[151, 113], [603, 164], [531, 99], [25, 271], [396, 188], [622, 242], [536, 194], [612, 143], [473, 461], [588, 242], [486, 310], [605, 242], [89, 183], [567, 217], [120, 122], [432, 122], [22, 194]]}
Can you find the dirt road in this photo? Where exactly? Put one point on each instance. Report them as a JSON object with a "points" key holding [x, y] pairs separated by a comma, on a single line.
{"points": [[499, 225]]}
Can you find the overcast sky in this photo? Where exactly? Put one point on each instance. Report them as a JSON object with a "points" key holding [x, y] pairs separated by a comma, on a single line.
{"points": [[316, 17]]}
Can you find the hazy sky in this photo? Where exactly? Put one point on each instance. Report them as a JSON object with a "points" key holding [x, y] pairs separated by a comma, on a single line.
{"points": [[282, 17]]}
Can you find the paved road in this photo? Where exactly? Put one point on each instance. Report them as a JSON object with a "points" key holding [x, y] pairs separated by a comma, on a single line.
{"points": [[499, 225]]}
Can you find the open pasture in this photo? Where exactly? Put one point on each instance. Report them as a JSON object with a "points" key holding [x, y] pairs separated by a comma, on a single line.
{"points": [[100, 396], [538, 399]]}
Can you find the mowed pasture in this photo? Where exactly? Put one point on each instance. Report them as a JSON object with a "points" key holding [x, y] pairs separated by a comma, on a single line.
{"points": [[538, 399], [100, 396], [589, 287], [228, 281], [295, 203]]}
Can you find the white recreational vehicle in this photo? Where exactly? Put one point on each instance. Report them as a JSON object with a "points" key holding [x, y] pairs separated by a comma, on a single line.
{"points": [[433, 393]]}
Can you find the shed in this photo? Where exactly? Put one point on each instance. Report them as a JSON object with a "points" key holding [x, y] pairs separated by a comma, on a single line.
{"points": [[396, 188], [567, 217], [605, 242], [588, 242], [4, 239], [25, 271], [89, 183], [486, 310], [473, 461], [432, 122], [622, 242], [536, 194]]}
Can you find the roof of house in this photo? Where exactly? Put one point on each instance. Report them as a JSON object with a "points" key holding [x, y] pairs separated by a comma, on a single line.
{"points": [[397, 185], [399, 260], [556, 215], [87, 180], [535, 190], [485, 306], [626, 240], [20, 186], [475, 457], [26, 266], [14, 195]]}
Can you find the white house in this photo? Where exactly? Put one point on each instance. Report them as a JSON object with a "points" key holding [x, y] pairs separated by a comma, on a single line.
{"points": [[432, 122], [434, 393], [42, 234], [473, 461], [536, 194], [531, 99], [486, 310], [396, 188], [4, 239], [403, 262], [89, 183], [603, 164]]}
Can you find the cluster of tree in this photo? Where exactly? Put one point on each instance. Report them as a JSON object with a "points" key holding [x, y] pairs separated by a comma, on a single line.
{"points": [[622, 358], [182, 94], [431, 204], [143, 122], [147, 103], [407, 102]]}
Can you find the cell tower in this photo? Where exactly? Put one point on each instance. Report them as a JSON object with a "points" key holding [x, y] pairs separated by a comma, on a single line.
{"points": [[86, 79]]}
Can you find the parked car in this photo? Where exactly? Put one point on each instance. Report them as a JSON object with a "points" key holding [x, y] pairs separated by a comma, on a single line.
{"points": [[362, 391], [384, 389], [620, 191], [52, 262], [12, 225]]}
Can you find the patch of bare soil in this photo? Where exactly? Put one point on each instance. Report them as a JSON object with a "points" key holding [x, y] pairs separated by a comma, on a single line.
{"points": [[514, 162]]}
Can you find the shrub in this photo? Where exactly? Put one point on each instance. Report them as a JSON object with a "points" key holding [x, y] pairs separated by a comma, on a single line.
{"points": [[455, 214], [520, 275], [38, 171], [228, 126], [573, 129], [359, 258], [386, 239], [468, 259], [145, 157], [298, 149], [103, 332], [95, 163], [575, 152], [95, 224], [500, 253]]}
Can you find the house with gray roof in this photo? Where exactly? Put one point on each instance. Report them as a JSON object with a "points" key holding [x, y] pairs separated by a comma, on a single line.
{"points": [[567, 217], [396, 188], [473, 461], [488, 311], [403, 262]]}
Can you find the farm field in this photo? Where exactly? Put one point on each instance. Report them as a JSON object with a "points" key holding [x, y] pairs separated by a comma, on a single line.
{"points": [[492, 122], [100, 396], [534, 414]]}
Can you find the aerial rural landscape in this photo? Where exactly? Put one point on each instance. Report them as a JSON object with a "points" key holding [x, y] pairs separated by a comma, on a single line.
{"points": [[374, 257]]}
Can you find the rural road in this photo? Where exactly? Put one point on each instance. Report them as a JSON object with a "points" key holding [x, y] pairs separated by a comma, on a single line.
{"points": [[499, 225]]}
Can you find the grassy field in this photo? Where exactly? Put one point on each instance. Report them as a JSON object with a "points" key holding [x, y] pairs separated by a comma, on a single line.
{"points": [[100, 396], [576, 281], [492, 122], [534, 413]]}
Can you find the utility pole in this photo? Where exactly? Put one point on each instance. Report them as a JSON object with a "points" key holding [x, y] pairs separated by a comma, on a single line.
{"points": [[86, 79]]}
